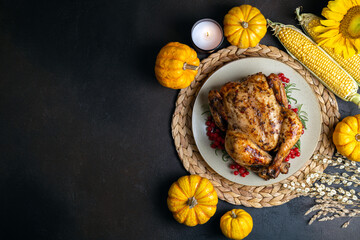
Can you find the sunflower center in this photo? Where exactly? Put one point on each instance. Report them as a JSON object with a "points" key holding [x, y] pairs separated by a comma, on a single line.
{"points": [[350, 25]]}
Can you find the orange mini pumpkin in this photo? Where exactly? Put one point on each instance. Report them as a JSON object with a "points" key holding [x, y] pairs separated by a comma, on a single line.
{"points": [[244, 26], [236, 224], [176, 65], [346, 137], [192, 200]]}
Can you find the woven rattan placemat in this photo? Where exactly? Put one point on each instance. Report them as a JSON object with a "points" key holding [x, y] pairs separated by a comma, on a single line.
{"points": [[250, 196]]}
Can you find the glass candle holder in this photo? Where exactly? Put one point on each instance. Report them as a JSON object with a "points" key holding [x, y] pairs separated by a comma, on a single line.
{"points": [[207, 35]]}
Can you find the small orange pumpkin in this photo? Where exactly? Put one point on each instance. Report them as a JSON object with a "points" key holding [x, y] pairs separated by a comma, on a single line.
{"points": [[236, 224], [192, 200], [176, 65], [346, 137], [244, 26]]}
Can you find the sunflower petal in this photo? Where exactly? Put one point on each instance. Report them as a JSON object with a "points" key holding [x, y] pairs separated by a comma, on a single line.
{"points": [[319, 29], [357, 44], [333, 41], [337, 6], [329, 33], [350, 48], [348, 3], [330, 23], [328, 14]]}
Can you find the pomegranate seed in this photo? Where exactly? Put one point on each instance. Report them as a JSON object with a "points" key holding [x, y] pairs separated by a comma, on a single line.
{"points": [[297, 154], [236, 173]]}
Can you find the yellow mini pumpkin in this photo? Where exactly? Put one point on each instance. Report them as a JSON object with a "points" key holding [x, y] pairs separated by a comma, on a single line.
{"points": [[346, 137], [244, 26], [236, 224], [192, 200], [176, 65]]}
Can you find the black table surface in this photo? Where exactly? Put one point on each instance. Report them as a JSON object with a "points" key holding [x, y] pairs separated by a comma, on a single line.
{"points": [[86, 145]]}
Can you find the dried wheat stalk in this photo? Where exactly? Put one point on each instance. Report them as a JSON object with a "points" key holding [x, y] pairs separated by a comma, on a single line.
{"points": [[331, 202]]}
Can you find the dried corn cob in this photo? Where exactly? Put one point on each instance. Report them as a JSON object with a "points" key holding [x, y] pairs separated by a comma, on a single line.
{"points": [[317, 61], [352, 65]]}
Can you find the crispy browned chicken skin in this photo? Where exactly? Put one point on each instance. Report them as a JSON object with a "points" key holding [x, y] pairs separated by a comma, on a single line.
{"points": [[260, 129]]}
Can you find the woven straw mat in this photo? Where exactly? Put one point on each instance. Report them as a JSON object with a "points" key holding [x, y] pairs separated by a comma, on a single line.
{"points": [[249, 196]]}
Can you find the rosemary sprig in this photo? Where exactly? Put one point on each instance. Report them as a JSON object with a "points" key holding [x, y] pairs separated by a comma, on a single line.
{"points": [[289, 88], [302, 115]]}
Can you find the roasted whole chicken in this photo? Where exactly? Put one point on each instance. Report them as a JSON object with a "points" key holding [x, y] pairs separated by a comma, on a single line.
{"points": [[260, 129]]}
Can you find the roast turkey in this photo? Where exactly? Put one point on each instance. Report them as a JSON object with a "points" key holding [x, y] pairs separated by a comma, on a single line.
{"points": [[260, 129]]}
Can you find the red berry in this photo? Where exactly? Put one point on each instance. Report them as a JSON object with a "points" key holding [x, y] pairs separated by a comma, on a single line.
{"points": [[281, 75], [209, 129], [283, 84], [247, 173], [302, 131], [208, 123], [209, 118], [292, 155], [232, 166], [242, 170], [243, 174], [236, 173], [286, 80], [238, 166], [295, 110], [213, 145], [296, 149], [297, 154], [289, 106]]}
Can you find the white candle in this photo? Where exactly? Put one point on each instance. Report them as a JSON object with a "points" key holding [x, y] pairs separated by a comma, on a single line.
{"points": [[207, 34]]}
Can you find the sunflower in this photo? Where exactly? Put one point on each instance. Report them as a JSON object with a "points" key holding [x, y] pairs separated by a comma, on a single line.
{"points": [[341, 28]]}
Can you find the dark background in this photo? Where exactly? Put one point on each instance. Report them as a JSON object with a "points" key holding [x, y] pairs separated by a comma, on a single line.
{"points": [[85, 136]]}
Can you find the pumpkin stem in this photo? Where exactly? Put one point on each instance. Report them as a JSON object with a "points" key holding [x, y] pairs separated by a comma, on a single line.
{"points": [[233, 215], [192, 202], [190, 67], [244, 24], [357, 137]]}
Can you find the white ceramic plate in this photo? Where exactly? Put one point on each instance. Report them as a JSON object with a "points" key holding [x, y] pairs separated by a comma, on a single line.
{"points": [[234, 71]]}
